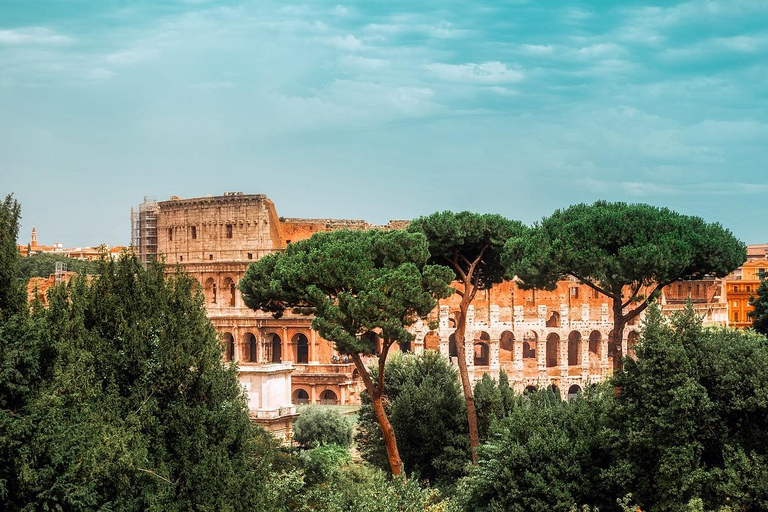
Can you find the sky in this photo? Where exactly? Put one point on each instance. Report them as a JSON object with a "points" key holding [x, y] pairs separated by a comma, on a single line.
{"points": [[382, 110]]}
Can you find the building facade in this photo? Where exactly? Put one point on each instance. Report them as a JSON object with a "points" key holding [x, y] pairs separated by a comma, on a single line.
{"points": [[540, 338]]}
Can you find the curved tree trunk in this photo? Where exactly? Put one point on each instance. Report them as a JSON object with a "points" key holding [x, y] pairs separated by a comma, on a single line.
{"points": [[619, 323], [469, 397], [375, 391]]}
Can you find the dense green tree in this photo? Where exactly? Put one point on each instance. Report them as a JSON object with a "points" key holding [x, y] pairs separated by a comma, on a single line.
{"points": [[358, 285], [12, 296], [693, 414], [759, 314], [490, 404], [139, 412], [545, 455], [44, 264], [317, 426], [425, 405], [627, 252], [471, 245]]}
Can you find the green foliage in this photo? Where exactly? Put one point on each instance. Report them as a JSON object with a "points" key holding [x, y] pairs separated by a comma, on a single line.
{"points": [[546, 455], [318, 426], [457, 239], [352, 282], [367, 489], [426, 408], [490, 404], [44, 264], [12, 295], [759, 315], [693, 410], [321, 463], [133, 408]]}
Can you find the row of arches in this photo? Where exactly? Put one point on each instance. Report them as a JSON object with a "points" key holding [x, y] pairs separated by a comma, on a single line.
{"points": [[224, 295], [531, 345], [327, 397], [270, 350], [573, 391]]}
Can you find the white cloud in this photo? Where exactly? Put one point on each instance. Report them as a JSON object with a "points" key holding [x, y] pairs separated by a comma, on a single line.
{"points": [[32, 36], [342, 11], [348, 43], [651, 189], [130, 57], [363, 63], [486, 73], [538, 49]]}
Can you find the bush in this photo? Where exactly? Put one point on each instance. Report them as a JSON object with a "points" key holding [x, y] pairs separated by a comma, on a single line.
{"points": [[425, 405], [318, 426], [322, 462]]}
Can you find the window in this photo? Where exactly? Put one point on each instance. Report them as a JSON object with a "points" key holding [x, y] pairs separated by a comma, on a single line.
{"points": [[181, 258], [170, 234], [574, 293], [736, 289], [749, 288], [210, 257], [595, 294], [250, 255], [229, 230], [735, 316], [735, 304], [194, 232], [287, 242]]}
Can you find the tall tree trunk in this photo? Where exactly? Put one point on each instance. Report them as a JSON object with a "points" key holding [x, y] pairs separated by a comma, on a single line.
{"points": [[619, 322], [469, 397], [375, 391]]}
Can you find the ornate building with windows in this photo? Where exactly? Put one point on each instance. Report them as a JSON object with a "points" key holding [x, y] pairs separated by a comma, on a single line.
{"points": [[540, 338]]}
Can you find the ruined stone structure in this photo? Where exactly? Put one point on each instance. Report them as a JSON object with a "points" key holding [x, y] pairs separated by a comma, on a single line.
{"points": [[539, 338]]}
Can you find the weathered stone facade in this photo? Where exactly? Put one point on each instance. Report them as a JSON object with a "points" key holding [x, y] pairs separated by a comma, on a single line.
{"points": [[539, 338]]}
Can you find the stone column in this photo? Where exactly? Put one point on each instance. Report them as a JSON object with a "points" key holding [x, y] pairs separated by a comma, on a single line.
{"points": [[312, 394], [287, 355], [604, 354], [342, 395], [584, 356], [541, 354], [517, 356], [563, 352], [313, 346], [493, 357]]}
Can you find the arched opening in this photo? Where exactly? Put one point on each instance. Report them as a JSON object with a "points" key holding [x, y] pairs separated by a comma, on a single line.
{"points": [[302, 348], [574, 348], [573, 391], [554, 320], [300, 397], [481, 354], [405, 346], [432, 341], [452, 351], [229, 347], [530, 341], [553, 347], [328, 397], [229, 292], [210, 291], [506, 346], [249, 344], [554, 390], [632, 343], [481, 348], [272, 349], [595, 341], [529, 389]]}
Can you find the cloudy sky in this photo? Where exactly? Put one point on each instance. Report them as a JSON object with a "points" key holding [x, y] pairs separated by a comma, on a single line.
{"points": [[385, 111]]}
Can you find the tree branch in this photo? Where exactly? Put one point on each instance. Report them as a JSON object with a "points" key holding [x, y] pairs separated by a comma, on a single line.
{"points": [[634, 294], [592, 285]]}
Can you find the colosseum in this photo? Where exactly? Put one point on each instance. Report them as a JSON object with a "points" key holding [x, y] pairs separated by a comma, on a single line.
{"points": [[539, 338]]}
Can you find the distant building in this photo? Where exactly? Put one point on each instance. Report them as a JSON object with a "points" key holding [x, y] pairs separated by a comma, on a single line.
{"points": [[741, 286], [79, 253]]}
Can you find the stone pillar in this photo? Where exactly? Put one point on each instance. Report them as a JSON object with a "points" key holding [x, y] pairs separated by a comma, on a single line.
{"points": [[517, 356], [563, 353], [585, 312], [585, 355], [604, 354], [493, 316], [312, 394], [470, 315], [238, 352], [493, 356], [541, 353], [287, 355], [313, 350], [565, 318], [342, 395], [518, 314]]}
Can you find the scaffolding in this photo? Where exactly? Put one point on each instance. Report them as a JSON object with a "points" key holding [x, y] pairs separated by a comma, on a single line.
{"points": [[144, 230], [60, 271]]}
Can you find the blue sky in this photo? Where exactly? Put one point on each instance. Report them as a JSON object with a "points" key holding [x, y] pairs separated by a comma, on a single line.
{"points": [[385, 110]]}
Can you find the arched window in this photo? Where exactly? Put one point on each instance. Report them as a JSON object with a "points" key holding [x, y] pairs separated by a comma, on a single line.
{"points": [[529, 345], [229, 292], [229, 347], [481, 348], [573, 391], [553, 347], [452, 350], [272, 352], [554, 320], [300, 396], [529, 390], [506, 346], [574, 348], [210, 291], [302, 348], [328, 397], [249, 344]]}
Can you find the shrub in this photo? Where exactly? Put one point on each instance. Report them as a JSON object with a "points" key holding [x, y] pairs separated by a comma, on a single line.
{"points": [[317, 426]]}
